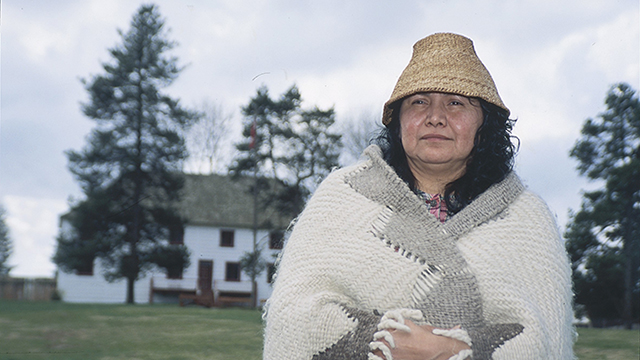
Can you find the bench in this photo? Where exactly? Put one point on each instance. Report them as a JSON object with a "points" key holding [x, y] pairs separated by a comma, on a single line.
{"points": [[227, 300], [204, 299]]}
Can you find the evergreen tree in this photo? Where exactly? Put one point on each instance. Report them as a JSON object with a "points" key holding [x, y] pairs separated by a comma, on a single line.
{"points": [[282, 141], [288, 150], [265, 131], [312, 151], [253, 265], [603, 237], [6, 247], [130, 169]]}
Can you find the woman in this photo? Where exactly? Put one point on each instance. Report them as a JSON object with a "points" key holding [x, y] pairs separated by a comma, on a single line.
{"points": [[430, 247]]}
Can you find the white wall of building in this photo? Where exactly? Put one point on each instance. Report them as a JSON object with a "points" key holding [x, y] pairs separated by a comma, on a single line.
{"points": [[95, 289], [204, 244]]}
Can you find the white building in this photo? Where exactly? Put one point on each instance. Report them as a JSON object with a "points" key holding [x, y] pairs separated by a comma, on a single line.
{"points": [[219, 230]]}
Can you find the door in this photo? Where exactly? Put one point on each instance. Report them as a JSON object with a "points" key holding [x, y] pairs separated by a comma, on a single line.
{"points": [[205, 275]]}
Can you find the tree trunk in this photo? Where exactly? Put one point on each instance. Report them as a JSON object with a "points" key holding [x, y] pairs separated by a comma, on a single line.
{"points": [[628, 249], [130, 295], [254, 288], [254, 293], [137, 207], [627, 310]]}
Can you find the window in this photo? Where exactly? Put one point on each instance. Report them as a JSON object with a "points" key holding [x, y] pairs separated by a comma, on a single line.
{"points": [[173, 270], [84, 272], [226, 238], [276, 239], [271, 270], [176, 235], [232, 272], [85, 269], [174, 275]]}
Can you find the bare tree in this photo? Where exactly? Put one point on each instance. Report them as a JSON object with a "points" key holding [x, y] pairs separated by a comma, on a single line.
{"points": [[357, 134], [208, 140]]}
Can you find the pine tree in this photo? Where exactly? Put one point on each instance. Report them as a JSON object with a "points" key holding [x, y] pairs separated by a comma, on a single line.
{"points": [[603, 237], [130, 169], [288, 150], [6, 247], [266, 129], [297, 147]]}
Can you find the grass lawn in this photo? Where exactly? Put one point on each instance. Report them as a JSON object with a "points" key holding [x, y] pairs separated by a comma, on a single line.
{"points": [[35, 331], [607, 344], [47, 330]]}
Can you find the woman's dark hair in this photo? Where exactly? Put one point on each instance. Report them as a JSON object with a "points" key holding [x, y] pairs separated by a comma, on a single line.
{"points": [[491, 159]]}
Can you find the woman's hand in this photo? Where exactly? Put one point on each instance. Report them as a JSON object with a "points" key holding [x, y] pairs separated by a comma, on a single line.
{"points": [[420, 343]]}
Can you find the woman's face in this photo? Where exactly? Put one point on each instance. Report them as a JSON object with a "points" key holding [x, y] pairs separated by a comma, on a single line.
{"points": [[438, 130]]}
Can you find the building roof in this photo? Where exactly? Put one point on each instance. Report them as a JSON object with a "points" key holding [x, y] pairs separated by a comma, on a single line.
{"points": [[222, 201]]}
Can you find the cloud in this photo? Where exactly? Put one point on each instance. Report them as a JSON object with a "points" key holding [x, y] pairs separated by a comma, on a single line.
{"points": [[554, 89], [33, 225], [615, 51], [553, 62]]}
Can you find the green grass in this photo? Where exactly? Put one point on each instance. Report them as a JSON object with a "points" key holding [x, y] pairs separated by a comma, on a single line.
{"points": [[35, 331], [46, 330], [607, 344]]}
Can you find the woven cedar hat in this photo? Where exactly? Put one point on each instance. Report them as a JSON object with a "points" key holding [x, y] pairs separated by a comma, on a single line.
{"points": [[444, 63]]}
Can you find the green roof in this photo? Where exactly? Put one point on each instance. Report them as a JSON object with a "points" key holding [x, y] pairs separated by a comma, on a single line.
{"points": [[224, 201]]}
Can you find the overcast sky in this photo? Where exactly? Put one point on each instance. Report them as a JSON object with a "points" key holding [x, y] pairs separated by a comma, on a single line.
{"points": [[553, 62]]}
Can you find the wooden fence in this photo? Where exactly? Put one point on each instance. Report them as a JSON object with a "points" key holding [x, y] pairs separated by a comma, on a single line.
{"points": [[27, 289]]}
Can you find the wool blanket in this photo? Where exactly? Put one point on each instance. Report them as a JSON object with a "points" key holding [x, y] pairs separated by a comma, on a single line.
{"points": [[365, 248]]}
